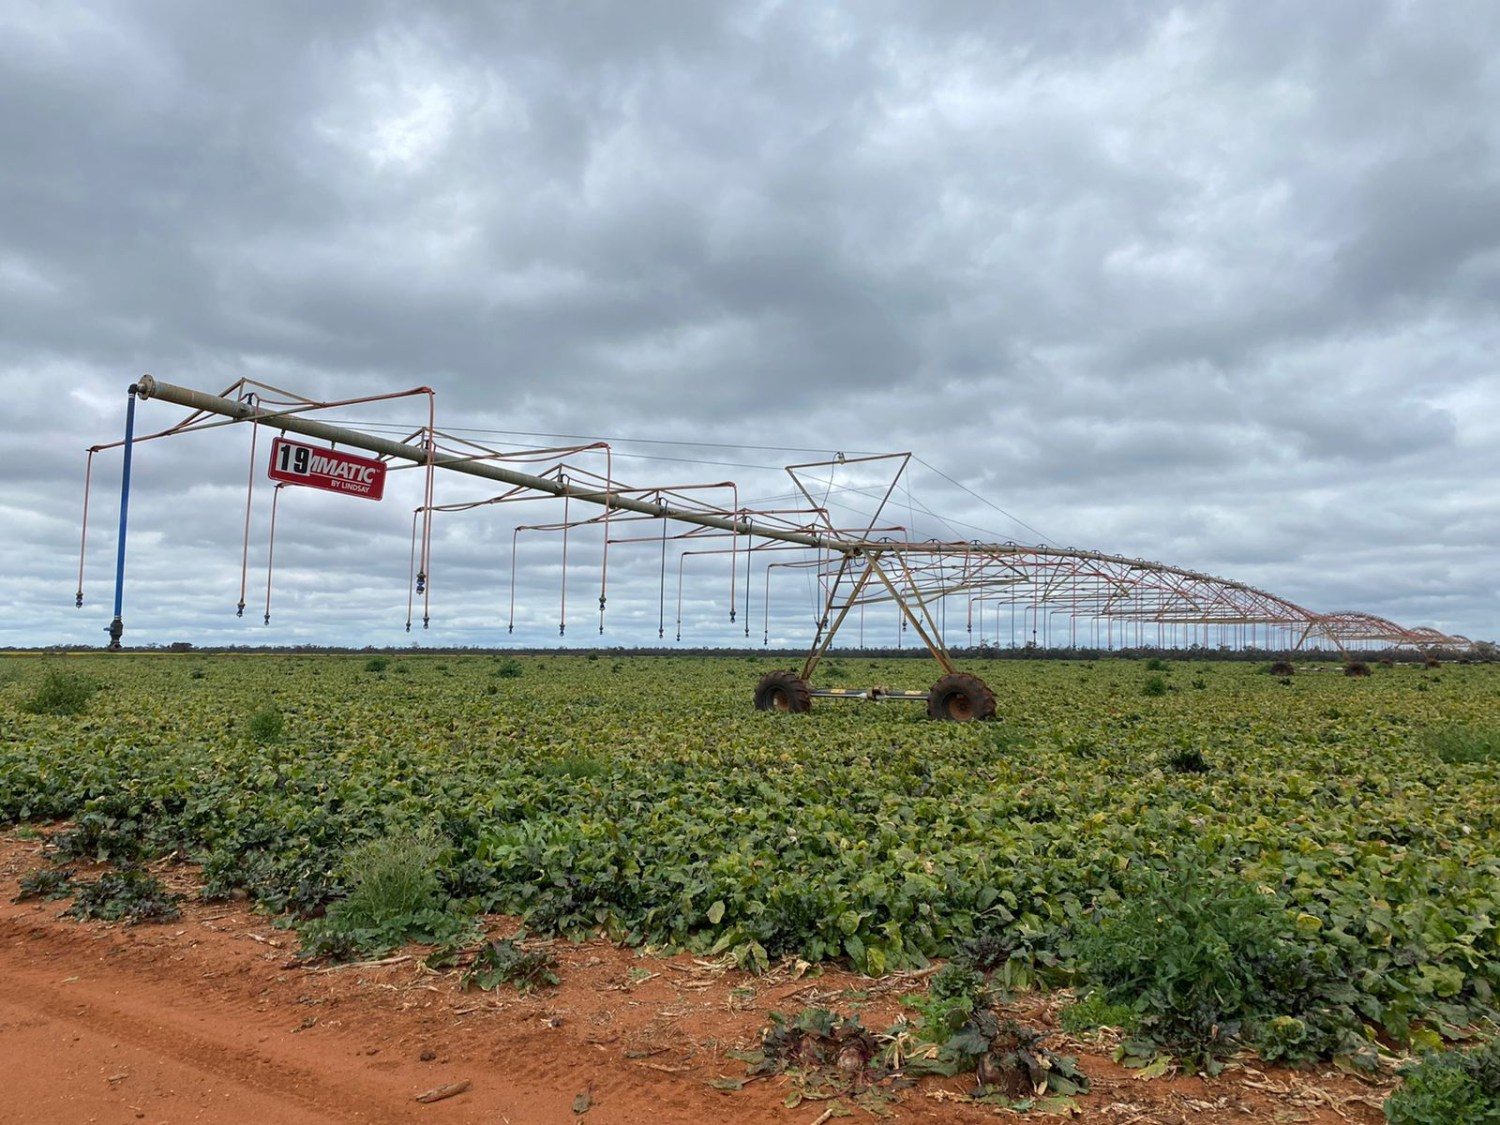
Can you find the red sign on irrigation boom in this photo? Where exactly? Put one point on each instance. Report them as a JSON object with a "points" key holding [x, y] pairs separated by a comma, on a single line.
{"points": [[295, 463]]}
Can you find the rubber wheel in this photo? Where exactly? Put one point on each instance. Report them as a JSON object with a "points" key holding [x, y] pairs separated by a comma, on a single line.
{"points": [[783, 691], [960, 698]]}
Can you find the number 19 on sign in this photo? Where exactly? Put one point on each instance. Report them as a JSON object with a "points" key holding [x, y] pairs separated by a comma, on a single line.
{"points": [[294, 462]]}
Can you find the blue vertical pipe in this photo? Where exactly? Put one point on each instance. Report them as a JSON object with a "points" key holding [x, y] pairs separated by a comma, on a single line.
{"points": [[117, 626]]}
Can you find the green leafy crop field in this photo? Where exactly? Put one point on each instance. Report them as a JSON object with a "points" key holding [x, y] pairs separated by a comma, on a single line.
{"points": [[645, 797]]}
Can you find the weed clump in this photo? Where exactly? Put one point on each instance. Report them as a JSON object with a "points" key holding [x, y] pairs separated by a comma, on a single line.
{"points": [[1463, 746], [574, 766], [1282, 668], [60, 693], [1357, 669], [395, 896], [266, 726], [1449, 1088], [508, 669], [1154, 685], [377, 664], [1092, 1012]]}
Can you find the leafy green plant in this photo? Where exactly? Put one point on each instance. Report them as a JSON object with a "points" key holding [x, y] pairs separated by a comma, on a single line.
{"points": [[296, 883], [1157, 664], [130, 895], [106, 831], [60, 693], [866, 835], [1154, 685], [505, 962], [377, 664], [1207, 963], [985, 951], [1449, 1088], [953, 995], [266, 726], [508, 669], [46, 883], [395, 896]]}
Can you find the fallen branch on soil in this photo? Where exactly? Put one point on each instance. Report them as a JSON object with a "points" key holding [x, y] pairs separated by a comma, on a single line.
{"points": [[438, 1093], [364, 964]]}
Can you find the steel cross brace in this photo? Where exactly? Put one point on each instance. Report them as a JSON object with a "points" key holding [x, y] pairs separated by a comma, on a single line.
{"points": [[919, 618]]}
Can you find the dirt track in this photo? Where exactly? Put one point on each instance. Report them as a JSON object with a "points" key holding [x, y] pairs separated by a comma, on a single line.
{"points": [[208, 1019]]}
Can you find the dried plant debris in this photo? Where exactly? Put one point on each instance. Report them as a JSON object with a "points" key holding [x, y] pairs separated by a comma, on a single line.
{"points": [[505, 962], [833, 1054]]}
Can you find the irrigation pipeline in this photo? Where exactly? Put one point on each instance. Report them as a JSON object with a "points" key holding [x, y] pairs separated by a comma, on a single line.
{"points": [[827, 540], [149, 388]]}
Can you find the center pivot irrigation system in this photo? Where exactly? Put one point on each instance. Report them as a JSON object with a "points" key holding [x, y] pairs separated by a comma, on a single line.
{"points": [[1061, 593]]}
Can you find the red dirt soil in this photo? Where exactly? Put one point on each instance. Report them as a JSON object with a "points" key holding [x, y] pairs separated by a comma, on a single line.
{"points": [[210, 1019]]}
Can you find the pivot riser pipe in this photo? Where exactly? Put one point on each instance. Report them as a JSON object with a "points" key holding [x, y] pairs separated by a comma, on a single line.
{"points": [[117, 626]]}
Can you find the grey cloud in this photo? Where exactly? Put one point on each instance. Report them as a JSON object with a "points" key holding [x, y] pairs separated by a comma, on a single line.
{"points": [[1214, 284]]}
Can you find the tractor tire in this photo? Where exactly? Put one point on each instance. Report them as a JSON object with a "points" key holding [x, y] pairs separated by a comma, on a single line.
{"points": [[960, 698], [783, 691]]}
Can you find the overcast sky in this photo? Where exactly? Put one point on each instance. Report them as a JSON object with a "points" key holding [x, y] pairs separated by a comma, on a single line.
{"points": [[1215, 284]]}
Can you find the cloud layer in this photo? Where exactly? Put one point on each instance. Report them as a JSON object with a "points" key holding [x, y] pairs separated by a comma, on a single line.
{"points": [[1212, 284]]}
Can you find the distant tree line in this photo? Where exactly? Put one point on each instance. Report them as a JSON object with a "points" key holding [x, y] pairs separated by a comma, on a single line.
{"points": [[1482, 652]]}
